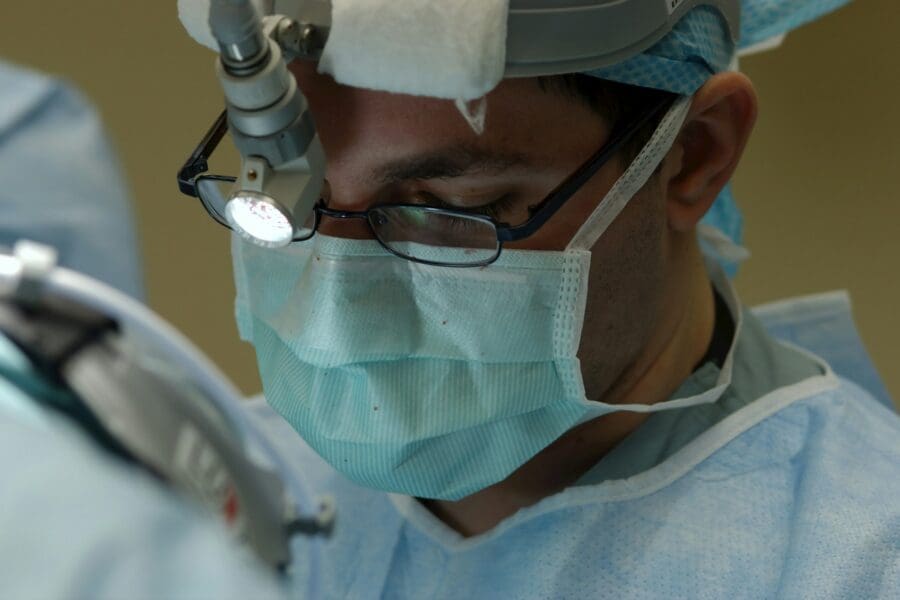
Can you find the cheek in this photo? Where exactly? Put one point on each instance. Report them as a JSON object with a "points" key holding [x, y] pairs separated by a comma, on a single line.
{"points": [[624, 291]]}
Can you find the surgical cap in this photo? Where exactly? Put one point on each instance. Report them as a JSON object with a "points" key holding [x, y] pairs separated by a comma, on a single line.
{"points": [[698, 47]]}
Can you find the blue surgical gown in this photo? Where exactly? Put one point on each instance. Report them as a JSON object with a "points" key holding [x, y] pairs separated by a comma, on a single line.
{"points": [[793, 496], [61, 181]]}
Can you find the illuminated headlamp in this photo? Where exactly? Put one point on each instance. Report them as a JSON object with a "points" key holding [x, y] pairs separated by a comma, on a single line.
{"points": [[271, 207], [259, 219]]}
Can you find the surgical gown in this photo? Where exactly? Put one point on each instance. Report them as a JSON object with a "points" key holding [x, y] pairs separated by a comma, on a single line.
{"points": [[61, 181]]}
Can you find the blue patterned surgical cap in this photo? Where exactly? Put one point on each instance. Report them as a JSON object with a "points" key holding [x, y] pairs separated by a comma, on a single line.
{"points": [[700, 46]]}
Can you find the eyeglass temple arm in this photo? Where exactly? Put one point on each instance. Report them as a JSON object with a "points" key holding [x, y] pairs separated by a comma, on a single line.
{"points": [[548, 207], [197, 162]]}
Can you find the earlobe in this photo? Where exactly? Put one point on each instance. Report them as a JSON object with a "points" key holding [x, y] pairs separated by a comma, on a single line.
{"points": [[710, 146]]}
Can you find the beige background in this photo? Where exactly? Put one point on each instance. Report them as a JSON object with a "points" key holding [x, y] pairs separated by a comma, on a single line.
{"points": [[819, 184]]}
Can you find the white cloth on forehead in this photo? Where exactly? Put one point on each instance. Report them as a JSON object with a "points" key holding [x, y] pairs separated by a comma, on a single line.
{"points": [[460, 46]]}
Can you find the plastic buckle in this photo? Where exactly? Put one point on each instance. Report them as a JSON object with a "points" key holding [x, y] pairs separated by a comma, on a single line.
{"points": [[37, 261]]}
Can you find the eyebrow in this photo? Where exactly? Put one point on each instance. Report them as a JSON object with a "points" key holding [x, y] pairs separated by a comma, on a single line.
{"points": [[448, 163]]}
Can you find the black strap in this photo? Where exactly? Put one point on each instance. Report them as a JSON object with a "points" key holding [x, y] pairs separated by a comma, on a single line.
{"points": [[723, 335], [49, 333]]}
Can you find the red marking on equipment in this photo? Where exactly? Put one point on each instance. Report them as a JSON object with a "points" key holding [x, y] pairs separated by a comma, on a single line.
{"points": [[230, 507]]}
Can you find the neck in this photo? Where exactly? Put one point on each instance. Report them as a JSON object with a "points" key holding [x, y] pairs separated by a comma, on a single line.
{"points": [[662, 366]]}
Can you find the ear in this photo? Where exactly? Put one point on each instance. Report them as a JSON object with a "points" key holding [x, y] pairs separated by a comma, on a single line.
{"points": [[709, 146]]}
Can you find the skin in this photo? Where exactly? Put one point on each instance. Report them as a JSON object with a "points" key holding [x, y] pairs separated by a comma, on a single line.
{"points": [[650, 310]]}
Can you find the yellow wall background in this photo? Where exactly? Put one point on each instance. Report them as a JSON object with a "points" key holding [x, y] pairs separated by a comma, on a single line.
{"points": [[820, 184]]}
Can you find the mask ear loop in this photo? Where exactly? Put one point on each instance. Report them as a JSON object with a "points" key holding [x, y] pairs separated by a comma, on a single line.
{"points": [[634, 178]]}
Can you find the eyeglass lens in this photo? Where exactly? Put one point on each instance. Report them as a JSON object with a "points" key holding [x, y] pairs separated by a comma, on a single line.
{"points": [[435, 235]]}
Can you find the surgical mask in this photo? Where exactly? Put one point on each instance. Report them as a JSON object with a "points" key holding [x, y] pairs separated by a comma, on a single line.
{"points": [[430, 381]]}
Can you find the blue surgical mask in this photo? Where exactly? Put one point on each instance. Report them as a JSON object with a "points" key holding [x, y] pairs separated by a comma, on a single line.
{"points": [[430, 381]]}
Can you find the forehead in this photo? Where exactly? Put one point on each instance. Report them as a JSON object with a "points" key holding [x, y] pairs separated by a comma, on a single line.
{"points": [[358, 125]]}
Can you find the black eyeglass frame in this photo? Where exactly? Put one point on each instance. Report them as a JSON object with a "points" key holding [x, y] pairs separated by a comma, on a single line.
{"points": [[197, 164]]}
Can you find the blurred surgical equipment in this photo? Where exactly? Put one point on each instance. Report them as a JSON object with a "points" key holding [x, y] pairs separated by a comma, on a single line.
{"points": [[149, 397]]}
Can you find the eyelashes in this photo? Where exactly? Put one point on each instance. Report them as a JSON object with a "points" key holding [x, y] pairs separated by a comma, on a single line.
{"points": [[494, 209]]}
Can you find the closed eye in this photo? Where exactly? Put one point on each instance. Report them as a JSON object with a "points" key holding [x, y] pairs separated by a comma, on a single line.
{"points": [[499, 209]]}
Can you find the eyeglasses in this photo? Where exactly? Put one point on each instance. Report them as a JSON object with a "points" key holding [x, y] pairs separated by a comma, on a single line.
{"points": [[420, 233]]}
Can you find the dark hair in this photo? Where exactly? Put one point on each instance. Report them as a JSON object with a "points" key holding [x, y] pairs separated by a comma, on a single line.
{"points": [[611, 100]]}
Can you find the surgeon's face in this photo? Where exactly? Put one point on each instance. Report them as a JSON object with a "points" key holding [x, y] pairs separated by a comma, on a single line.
{"points": [[394, 148]]}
